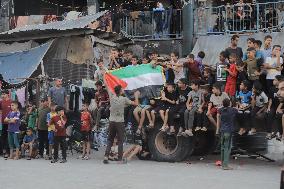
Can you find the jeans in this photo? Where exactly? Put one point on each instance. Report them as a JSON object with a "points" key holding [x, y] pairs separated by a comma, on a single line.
{"points": [[43, 141], [98, 113], [189, 117], [13, 139], [116, 129], [60, 140], [226, 146]]}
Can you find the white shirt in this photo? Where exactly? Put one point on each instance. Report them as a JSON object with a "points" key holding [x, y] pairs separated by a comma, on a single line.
{"points": [[271, 73]]}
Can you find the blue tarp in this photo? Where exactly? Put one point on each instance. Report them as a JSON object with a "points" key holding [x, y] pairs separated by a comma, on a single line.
{"points": [[21, 64]]}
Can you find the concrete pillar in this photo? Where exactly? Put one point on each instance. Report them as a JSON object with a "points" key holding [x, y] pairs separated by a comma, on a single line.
{"points": [[188, 28]]}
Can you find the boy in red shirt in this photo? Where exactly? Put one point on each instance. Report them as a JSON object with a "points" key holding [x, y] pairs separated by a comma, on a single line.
{"points": [[59, 134], [231, 83], [86, 120]]}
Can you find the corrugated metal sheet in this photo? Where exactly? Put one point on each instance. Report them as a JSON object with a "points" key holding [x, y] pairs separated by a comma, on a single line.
{"points": [[81, 22], [21, 64]]}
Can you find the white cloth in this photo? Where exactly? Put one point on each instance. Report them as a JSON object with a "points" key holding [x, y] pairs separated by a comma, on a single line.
{"points": [[271, 73]]}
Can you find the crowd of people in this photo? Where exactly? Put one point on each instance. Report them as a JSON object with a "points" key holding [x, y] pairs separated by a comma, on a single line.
{"points": [[235, 95]]}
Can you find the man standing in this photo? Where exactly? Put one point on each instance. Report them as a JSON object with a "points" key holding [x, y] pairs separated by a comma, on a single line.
{"points": [[273, 65], [267, 50], [5, 108], [234, 49], [42, 127], [57, 94]]}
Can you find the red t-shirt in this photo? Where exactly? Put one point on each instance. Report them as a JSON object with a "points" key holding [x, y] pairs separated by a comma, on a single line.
{"points": [[86, 121], [193, 71], [5, 107], [59, 125], [232, 78]]}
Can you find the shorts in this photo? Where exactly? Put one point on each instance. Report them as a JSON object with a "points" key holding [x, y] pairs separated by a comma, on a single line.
{"points": [[213, 111], [140, 108], [51, 137], [86, 136], [230, 89], [13, 140], [27, 146]]}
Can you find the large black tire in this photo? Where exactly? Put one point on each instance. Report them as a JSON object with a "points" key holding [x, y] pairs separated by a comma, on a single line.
{"points": [[204, 143], [251, 143], [169, 148]]}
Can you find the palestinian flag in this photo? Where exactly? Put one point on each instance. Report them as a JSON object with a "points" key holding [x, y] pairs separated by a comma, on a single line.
{"points": [[148, 80]]}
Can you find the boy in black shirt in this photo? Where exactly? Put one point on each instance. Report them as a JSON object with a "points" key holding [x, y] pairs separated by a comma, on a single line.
{"points": [[168, 98], [180, 106], [274, 108]]}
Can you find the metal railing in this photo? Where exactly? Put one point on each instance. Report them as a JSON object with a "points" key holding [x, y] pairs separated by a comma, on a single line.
{"points": [[239, 18], [152, 24]]}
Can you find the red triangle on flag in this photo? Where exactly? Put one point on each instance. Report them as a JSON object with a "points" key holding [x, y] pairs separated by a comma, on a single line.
{"points": [[113, 81]]}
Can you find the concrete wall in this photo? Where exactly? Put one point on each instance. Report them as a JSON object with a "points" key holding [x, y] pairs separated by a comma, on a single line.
{"points": [[212, 45]]}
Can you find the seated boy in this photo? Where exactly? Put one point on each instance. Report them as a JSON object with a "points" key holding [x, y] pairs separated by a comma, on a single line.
{"points": [[243, 105], [216, 102], [140, 113], [194, 103], [28, 143]]}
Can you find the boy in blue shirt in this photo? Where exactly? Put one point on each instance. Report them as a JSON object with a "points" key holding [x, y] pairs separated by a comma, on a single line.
{"points": [[243, 105], [28, 143], [225, 121]]}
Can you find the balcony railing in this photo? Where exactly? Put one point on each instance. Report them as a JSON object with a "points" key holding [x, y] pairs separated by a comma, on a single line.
{"points": [[238, 18]]}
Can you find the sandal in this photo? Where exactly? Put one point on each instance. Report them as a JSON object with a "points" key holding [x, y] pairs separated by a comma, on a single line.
{"points": [[138, 132], [164, 129], [86, 158]]}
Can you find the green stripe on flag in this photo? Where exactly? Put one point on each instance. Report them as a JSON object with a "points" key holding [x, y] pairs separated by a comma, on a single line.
{"points": [[134, 71]]}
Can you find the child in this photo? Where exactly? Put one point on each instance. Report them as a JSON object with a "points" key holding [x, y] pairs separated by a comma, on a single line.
{"points": [[207, 77], [274, 106], [202, 122], [150, 112], [259, 104], [32, 116], [199, 59], [194, 103], [28, 143], [51, 129], [252, 68], [168, 98], [231, 83], [216, 102], [193, 69], [225, 121], [59, 134], [183, 89], [86, 120], [221, 76], [243, 105], [13, 120]]}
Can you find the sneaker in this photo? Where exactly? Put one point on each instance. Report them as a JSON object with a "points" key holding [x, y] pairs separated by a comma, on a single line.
{"points": [[197, 128], [63, 161], [86, 158], [54, 161], [251, 132], [105, 161], [204, 129], [29, 158]]}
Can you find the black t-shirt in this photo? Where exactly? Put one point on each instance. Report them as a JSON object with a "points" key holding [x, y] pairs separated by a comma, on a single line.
{"points": [[182, 95], [238, 51], [273, 95], [170, 96]]}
